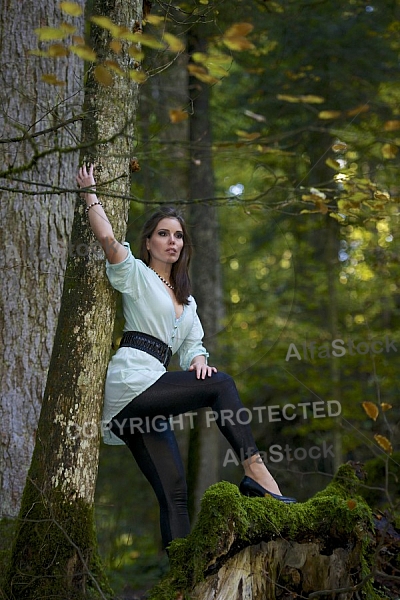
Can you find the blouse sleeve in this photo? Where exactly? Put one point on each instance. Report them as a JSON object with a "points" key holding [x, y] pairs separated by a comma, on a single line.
{"points": [[193, 344], [123, 276]]}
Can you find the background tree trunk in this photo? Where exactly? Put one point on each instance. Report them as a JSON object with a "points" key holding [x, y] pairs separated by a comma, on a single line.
{"points": [[58, 556], [206, 271], [34, 226]]}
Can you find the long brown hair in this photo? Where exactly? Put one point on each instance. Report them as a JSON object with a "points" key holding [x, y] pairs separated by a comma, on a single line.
{"points": [[180, 270]]}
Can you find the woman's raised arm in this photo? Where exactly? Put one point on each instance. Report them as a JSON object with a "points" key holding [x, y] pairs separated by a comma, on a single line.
{"points": [[101, 226]]}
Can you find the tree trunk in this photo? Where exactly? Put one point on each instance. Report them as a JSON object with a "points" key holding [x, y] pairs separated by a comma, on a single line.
{"points": [[55, 552], [282, 569], [206, 271], [34, 225]]}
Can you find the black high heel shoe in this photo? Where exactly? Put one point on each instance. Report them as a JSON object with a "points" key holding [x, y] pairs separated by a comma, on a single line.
{"points": [[249, 487]]}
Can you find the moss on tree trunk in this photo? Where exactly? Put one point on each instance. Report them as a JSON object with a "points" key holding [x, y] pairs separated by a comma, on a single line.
{"points": [[55, 549], [262, 549]]}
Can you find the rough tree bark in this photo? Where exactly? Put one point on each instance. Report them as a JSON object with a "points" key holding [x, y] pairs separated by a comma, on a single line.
{"points": [[34, 226], [206, 270], [55, 551]]}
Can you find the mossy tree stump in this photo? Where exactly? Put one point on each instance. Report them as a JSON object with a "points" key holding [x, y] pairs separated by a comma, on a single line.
{"points": [[260, 549]]}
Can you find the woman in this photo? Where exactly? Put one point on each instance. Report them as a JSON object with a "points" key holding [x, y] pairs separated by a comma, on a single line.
{"points": [[140, 394]]}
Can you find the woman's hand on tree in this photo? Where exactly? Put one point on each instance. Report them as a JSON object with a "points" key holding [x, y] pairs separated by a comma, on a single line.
{"points": [[85, 178]]}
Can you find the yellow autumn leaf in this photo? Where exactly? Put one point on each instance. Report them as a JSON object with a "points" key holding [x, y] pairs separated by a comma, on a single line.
{"points": [[382, 196], [288, 98], [339, 147], [174, 43], [71, 8], [234, 37], [178, 115], [46, 34], [384, 443], [333, 164], [52, 79], [385, 406], [114, 66], [311, 99], [239, 29], [329, 114], [103, 76], [138, 76], [237, 43], [135, 53], [320, 205], [154, 19], [212, 59], [338, 217], [248, 136], [84, 52], [305, 99], [57, 50], [389, 151], [353, 112], [149, 40], [67, 28], [123, 31], [140, 38], [106, 23], [116, 46], [218, 71], [199, 57], [393, 125], [371, 409], [201, 74], [78, 40], [38, 52]]}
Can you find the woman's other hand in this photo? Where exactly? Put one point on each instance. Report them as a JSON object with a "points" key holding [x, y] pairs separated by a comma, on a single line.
{"points": [[202, 370]]}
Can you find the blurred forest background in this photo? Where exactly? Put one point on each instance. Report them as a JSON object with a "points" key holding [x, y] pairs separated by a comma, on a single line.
{"points": [[298, 134], [305, 133]]}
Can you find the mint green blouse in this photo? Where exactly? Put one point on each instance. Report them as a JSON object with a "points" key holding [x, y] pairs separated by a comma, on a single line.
{"points": [[147, 307]]}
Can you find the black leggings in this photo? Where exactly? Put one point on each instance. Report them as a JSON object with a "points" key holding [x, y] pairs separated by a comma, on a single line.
{"points": [[144, 427]]}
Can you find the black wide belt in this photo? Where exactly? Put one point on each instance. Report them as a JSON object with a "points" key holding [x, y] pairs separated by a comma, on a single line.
{"points": [[147, 343]]}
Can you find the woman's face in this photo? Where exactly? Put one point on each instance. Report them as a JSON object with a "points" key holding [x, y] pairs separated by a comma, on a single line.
{"points": [[166, 242]]}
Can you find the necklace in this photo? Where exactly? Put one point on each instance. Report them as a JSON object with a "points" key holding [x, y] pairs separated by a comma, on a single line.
{"points": [[163, 280]]}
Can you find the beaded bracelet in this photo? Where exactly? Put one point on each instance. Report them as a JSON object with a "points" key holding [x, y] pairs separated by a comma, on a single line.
{"points": [[90, 206]]}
